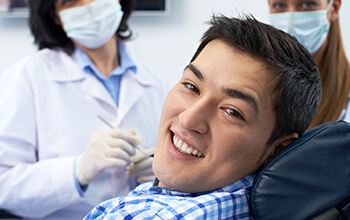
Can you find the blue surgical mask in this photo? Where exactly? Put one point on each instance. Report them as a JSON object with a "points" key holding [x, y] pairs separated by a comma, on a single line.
{"points": [[309, 28], [92, 25]]}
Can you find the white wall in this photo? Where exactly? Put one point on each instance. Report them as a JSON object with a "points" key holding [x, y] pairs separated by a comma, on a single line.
{"points": [[165, 43]]}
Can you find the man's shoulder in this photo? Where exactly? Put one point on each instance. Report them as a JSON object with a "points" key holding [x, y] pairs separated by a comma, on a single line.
{"points": [[146, 201]]}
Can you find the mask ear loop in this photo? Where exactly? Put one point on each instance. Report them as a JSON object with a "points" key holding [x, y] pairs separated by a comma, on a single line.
{"points": [[329, 5]]}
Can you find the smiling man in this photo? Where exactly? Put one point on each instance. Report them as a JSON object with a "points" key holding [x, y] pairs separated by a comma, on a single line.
{"points": [[248, 92]]}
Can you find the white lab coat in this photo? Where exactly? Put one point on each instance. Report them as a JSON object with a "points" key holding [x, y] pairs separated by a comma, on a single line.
{"points": [[48, 113]]}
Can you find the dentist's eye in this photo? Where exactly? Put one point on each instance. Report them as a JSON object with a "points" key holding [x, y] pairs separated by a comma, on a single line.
{"points": [[191, 87], [66, 3], [234, 113], [61, 4], [279, 6], [308, 5]]}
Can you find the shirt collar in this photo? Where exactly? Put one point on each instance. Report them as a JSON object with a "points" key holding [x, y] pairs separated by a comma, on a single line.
{"points": [[244, 183], [126, 62], [67, 68]]}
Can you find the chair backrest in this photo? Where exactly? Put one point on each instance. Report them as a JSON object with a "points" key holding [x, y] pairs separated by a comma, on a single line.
{"points": [[309, 177], [7, 216]]}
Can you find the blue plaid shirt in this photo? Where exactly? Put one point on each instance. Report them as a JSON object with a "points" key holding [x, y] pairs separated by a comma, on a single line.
{"points": [[153, 202]]}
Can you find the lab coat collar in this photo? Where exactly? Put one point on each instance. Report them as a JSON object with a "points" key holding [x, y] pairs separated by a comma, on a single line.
{"points": [[132, 85], [131, 90], [70, 71], [74, 72], [64, 69], [142, 76], [92, 87]]}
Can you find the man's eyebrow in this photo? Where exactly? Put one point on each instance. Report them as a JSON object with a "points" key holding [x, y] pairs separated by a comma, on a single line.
{"points": [[230, 92], [241, 95], [195, 71]]}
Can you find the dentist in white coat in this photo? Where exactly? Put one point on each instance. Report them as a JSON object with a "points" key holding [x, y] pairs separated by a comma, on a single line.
{"points": [[57, 158]]}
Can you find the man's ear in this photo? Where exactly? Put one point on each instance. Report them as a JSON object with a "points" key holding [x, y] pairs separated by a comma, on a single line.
{"points": [[281, 143], [334, 10]]}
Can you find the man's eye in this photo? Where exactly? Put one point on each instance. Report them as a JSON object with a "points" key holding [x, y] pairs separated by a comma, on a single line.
{"points": [[233, 113], [191, 87]]}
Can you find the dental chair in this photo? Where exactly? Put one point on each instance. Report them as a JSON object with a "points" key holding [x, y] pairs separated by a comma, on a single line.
{"points": [[309, 179], [7, 215]]}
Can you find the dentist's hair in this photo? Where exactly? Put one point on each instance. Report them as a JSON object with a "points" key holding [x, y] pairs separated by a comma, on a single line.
{"points": [[297, 85], [47, 33], [335, 74]]}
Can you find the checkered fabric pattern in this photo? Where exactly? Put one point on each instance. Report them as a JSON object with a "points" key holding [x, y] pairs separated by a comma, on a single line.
{"points": [[153, 202]]}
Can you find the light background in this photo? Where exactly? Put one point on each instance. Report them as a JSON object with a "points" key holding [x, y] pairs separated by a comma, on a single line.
{"points": [[164, 43]]}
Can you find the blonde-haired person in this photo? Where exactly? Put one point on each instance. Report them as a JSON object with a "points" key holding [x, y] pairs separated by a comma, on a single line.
{"points": [[315, 23]]}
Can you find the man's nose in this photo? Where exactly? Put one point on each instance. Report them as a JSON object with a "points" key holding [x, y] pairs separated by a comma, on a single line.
{"points": [[196, 117]]}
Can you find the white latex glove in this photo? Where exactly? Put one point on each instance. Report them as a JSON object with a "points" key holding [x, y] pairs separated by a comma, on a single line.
{"points": [[112, 148], [141, 166]]}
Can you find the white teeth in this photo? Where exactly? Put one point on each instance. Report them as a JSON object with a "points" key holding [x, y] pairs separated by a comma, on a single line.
{"points": [[189, 150], [175, 140], [185, 148]]}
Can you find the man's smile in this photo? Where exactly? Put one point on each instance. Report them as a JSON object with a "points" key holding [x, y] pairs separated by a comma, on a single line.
{"points": [[186, 148]]}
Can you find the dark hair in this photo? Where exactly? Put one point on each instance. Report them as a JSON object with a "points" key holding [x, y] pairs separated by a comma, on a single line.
{"points": [[48, 34], [124, 31], [297, 85]]}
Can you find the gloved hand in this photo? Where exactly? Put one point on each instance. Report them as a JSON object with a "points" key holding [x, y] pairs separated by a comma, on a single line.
{"points": [[141, 166], [112, 148]]}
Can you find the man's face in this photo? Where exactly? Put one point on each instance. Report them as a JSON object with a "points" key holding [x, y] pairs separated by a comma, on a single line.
{"points": [[215, 123]]}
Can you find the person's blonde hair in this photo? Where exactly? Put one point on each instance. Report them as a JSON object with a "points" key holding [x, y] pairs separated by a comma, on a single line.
{"points": [[335, 74]]}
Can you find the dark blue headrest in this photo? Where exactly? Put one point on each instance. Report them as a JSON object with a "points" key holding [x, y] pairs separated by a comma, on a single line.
{"points": [[309, 176]]}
